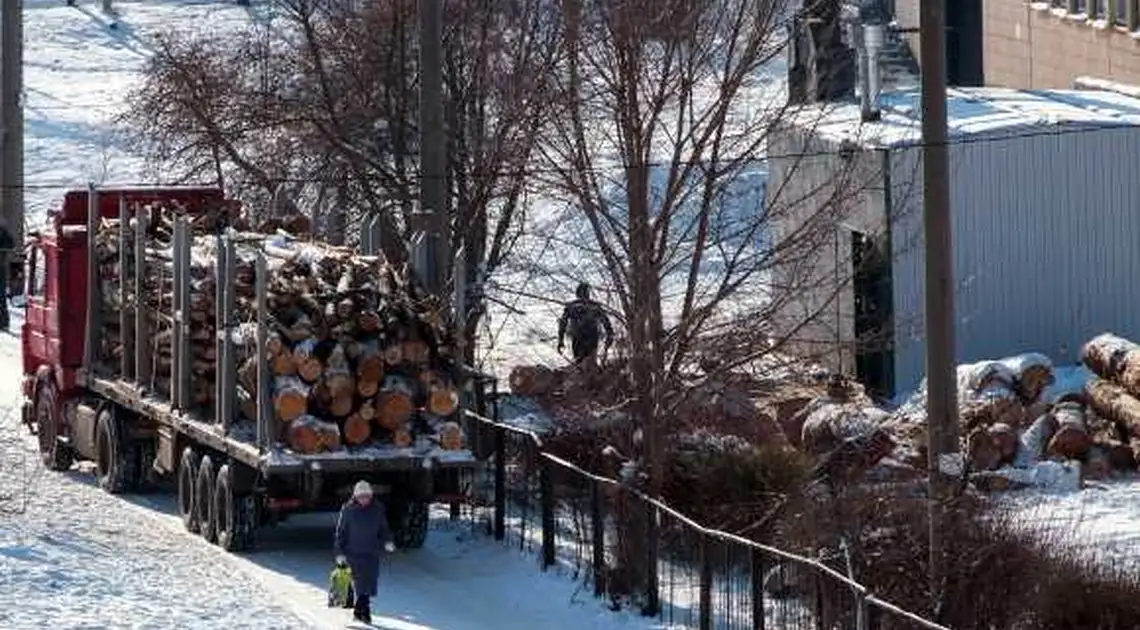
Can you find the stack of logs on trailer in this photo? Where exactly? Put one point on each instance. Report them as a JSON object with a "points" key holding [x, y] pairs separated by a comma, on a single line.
{"points": [[357, 355]]}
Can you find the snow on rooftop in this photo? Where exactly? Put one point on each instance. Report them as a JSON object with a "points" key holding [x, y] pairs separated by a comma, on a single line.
{"points": [[971, 112]]}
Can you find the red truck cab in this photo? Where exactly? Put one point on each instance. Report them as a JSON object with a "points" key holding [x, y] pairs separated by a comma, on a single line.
{"points": [[55, 309]]}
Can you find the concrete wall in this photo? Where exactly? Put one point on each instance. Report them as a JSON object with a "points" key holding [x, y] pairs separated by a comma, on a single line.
{"points": [[817, 196]]}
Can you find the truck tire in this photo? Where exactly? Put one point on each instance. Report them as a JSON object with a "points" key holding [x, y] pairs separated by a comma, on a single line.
{"points": [[115, 459], [409, 523], [203, 494], [187, 485], [231, 513], [54, 455]]}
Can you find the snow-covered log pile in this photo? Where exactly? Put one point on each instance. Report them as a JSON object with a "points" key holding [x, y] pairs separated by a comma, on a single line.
{"points": [[1114, 395], [1015, 419], [594, 397], [357, 355]]}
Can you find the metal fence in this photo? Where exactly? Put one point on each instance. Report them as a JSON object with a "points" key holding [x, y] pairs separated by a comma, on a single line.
{"points": [[632, 550]]}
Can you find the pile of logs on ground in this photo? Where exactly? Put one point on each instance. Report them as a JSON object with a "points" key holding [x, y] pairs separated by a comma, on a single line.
{"points": [[357, 355]]}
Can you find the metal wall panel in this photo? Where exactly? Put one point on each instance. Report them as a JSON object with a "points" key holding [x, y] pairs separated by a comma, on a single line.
{"points": [[1046, 227]]}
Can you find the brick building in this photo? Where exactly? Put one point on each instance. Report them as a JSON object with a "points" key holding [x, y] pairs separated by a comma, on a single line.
{"points": [[1040, 45]]}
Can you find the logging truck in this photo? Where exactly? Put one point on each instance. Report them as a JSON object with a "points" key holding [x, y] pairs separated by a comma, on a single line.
{"points": [[262, 373]]}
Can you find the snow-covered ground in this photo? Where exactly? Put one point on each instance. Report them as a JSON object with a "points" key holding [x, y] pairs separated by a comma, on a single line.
{"points": [[77, 73], [72, 556]]}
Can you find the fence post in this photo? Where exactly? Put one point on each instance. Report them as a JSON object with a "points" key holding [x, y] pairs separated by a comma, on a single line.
{"points": [[862, 616], [500, 483], [598, 527], [759, 569], [652, 592], [705, 622], [546, 481], [873, 616]]}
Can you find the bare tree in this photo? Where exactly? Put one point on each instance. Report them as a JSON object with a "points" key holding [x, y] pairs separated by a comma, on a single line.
{"points": [[317, 109], [663, 114]]}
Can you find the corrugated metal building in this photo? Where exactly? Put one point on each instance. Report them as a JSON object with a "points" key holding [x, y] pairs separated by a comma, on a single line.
{"points": [[1046, 214]]}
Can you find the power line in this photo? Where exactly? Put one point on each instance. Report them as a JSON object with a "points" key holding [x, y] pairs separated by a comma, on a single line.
{"points": [[531, 170]]}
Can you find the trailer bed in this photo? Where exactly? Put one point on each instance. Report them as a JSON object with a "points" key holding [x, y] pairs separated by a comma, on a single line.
{"points": [[240, 442]]}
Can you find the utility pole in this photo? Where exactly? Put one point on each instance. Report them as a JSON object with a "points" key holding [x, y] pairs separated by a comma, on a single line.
{"points": [[433, 147], [12, 142], [941, 379]]}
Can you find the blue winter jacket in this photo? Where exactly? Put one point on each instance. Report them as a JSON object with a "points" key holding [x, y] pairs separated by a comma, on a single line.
{"points": [[361, 531]]}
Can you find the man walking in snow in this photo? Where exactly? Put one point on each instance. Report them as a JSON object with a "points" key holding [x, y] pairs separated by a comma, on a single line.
{"points": [[360, 532], [585, 320]]}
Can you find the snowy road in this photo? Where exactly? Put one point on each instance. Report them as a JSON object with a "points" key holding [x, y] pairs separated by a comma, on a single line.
{"points": [[75, 557], [72, 556]]}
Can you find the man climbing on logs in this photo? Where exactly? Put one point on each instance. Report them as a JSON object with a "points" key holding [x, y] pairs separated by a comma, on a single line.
{"points": [[585, 320]]}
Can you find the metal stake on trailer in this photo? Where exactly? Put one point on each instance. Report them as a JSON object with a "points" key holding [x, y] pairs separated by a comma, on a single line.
{"points": [[125, 323], [176, 309], [93, 329], [264, 404], [143, 342], [227, 385], [181, 334]]}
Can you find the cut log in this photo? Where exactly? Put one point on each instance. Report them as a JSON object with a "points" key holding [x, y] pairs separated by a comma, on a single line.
{"points": [[283, 364], [1105, 355], [401, 438], [357, 429], [415, 352], [367, 410], [394, 354], [1032, 373], [308, 366], [369, 364], [395, 403], [1112, 402], [1006, 439], [1072, 439], [443, 400], [532, 380], [308, 434], [982, 450], [290, 398], [1032, 443], [367, 388], [340, 405], [450, 436]]}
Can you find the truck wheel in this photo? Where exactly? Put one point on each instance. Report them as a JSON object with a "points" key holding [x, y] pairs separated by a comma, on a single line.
{"points": [[409, 523], [187, 484], [204, 493], [231, 513], [115, 464], [55, 456]]}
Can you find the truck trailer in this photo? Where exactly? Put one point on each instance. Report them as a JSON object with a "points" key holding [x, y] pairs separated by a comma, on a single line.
{"points": [[201, 378]]}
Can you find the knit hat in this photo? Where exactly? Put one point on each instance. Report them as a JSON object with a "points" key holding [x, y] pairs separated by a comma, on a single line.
{"points": [[362, 489]]}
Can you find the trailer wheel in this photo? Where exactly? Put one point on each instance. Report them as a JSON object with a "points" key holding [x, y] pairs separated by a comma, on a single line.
{"points": [[55, 456], [409, 524], [231, 513], [115, 464], [204, 493], [187, 484]]}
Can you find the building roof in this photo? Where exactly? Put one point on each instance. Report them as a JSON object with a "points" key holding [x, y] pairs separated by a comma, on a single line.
{"points": [[972, 112]]}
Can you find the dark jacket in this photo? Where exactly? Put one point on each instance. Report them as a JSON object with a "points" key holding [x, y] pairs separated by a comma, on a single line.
{"points": [[585, 321], [361, 532]]}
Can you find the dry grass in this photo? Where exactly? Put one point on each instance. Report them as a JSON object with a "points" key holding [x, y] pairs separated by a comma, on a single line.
{"points": [[1002, 574]]}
